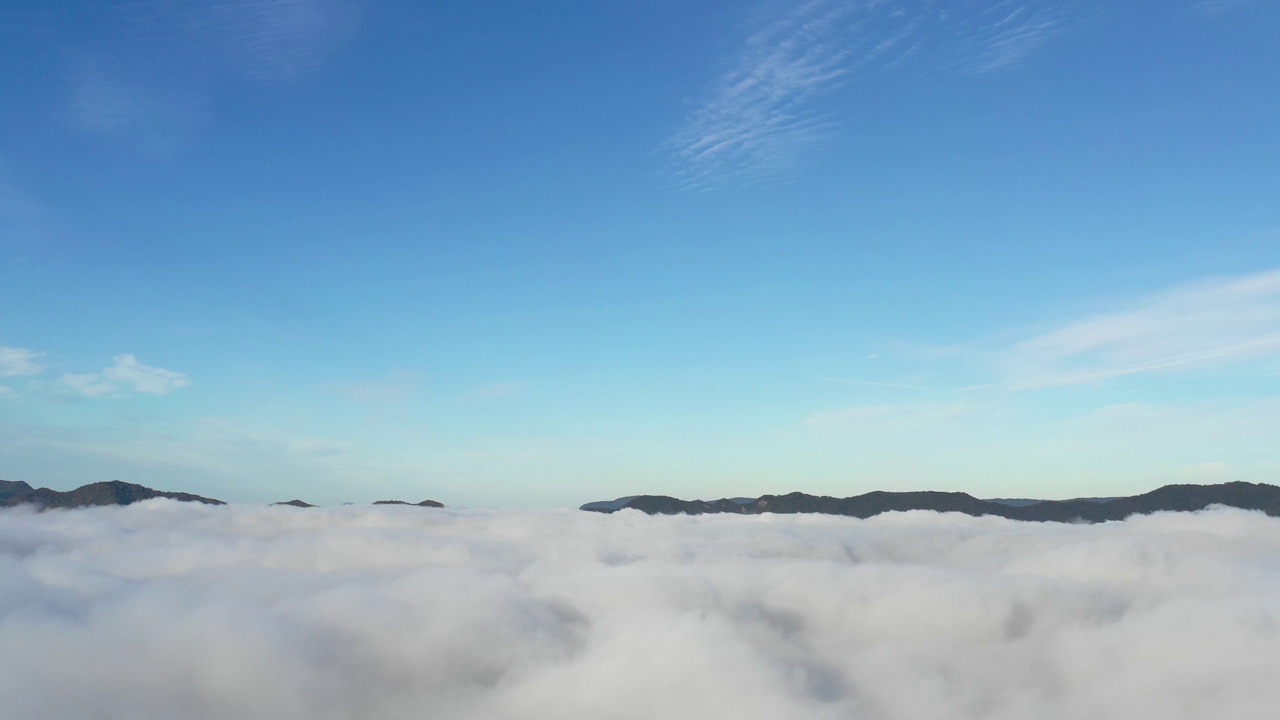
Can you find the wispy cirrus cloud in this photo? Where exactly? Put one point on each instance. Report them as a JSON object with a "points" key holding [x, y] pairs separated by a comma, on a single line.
{"points": [[268, 40], [16, 205], [148, 83], [764, 115], [275, 40], [22, 216], [126, 375], [1007, 32], [759, 115], [1218, 7], [109, 102]]}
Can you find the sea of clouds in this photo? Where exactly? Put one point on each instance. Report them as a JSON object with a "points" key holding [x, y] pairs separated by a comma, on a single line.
{"points": [[170, 610]]}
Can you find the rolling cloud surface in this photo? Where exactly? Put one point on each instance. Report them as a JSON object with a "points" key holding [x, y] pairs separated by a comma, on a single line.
{"points": [[163, 610]]}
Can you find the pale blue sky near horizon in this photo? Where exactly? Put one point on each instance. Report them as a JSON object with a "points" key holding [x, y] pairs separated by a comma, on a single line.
{"points": [[532, 254]]}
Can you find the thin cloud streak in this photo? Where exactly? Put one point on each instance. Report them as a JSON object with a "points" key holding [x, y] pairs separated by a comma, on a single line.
{"points": [[276, 40], [876, 383], [1011, 39], [1209, 323], [270, 41], [22, 216], [107, 102], [1220, 7], [1191, 359], [1187, 327]]}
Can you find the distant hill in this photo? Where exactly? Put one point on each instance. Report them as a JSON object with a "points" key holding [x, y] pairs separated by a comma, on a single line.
{"points": [[1248, 496], [10, 489], [116, 492], [113, 492], [424, 503]]}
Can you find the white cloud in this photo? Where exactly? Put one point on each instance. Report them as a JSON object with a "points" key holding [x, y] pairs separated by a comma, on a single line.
{"points": [[17, 362], [126, 375], [169, 610], [1204, 323]]}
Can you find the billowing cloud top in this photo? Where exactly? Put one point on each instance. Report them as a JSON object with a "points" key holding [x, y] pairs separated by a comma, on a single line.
{"points": [[167, 610]]}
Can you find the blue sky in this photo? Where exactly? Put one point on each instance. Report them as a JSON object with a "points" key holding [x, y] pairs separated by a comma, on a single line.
{"points": [[540, 253]]}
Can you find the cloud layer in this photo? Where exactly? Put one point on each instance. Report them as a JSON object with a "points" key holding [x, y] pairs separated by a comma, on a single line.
{"points": [[169, 610]]}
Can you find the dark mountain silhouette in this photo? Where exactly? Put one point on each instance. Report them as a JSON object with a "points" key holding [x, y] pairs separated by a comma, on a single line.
{"points": [[113, 492], [9, 488], [1182, 498]]}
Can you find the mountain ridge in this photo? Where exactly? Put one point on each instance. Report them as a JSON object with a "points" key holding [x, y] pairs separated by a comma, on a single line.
{"points": [[116, 492], [110, 492], [1175, 498]]}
